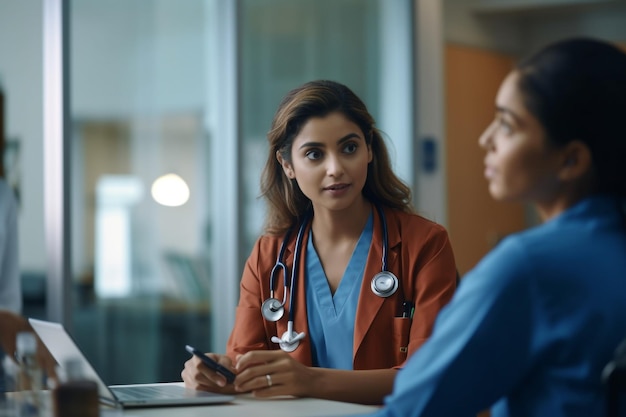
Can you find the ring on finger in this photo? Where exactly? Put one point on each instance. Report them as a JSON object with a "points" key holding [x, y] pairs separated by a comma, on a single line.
{"points": [[269, 380]]}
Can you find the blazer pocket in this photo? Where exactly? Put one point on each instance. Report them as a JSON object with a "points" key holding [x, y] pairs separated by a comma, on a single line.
{"points": [[401, 328]]}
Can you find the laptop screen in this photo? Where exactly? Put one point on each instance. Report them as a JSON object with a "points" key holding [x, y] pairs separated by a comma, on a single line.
{"points": [[63, 348]]}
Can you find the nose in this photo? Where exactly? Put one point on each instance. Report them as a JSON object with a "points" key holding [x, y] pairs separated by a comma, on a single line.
{"points": [[485, 140], [334, 166]]}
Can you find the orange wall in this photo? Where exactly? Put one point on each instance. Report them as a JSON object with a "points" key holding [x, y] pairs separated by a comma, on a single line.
{"points": [[475, 220]]}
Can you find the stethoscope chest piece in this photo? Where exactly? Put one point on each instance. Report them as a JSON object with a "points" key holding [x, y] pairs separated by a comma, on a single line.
{"points": [[272, 309], [289, 341], [384, 284]]}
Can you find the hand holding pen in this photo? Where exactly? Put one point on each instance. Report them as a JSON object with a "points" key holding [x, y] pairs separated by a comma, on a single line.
{"points": [[208, 372]]}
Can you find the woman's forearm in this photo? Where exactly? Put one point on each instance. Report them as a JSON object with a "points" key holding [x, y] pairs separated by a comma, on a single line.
{"points": [[363, 387]]}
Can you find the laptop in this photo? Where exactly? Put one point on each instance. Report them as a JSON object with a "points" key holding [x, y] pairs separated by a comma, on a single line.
{"points": [[62, 347]]}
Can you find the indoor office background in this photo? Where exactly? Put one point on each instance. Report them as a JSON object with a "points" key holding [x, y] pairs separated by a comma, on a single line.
{"points": [[189, 87]]}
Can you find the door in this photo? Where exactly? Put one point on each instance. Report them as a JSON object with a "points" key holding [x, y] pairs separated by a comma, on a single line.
{"points": [[475, 221]]}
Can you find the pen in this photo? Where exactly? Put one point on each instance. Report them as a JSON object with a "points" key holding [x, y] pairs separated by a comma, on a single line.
{"points": [[408, 309], [211, 364]]}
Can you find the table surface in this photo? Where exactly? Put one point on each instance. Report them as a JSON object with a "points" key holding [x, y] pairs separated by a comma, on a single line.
{"points": [[245, 405], [248, 406]]}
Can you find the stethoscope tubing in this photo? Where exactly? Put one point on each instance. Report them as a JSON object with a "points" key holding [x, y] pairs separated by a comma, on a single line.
{"points": [[273, 310], [383, 221], [290, 285], [296, 264], [280, 265]]}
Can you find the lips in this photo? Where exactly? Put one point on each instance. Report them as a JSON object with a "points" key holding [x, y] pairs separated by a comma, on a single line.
{"points": [[490, 171], [336, 187]]}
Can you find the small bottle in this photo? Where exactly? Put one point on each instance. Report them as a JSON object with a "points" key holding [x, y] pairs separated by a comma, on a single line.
{"points": [[7, 394], [75, 396], [29, 395]]}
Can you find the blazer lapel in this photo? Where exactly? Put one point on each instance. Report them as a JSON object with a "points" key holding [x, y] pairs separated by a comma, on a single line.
{"points": [[370, 303]]}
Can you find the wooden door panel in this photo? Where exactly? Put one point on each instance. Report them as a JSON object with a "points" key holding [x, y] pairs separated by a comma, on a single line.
{"points": [[475, 221]]}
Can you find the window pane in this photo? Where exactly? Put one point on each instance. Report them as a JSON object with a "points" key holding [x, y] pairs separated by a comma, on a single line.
{"points": [[288, 42], [140, 255]]}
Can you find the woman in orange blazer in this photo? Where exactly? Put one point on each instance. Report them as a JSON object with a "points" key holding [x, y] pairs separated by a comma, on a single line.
{"points": [[338, 215]]}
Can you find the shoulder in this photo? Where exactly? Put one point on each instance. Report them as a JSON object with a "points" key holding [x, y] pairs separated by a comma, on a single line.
{"points": [[508, 254], [267, 243], [525, 247], [265, 249], [554, 254], [412, 219], [510, 264], [413, 225], [261, 260]]}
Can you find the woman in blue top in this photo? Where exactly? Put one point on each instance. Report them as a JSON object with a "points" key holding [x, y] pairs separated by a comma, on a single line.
{"points": [[531, 327]]}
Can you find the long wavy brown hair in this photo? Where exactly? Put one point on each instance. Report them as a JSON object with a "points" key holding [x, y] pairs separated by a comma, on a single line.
{"points": [[286, 204]]}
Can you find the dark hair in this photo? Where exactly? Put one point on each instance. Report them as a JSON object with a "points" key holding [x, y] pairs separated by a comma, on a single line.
{"points": [[576, 88], [286, 202]]}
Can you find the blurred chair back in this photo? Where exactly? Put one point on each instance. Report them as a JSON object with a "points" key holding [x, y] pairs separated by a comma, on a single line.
{"points": [[614, 377]]}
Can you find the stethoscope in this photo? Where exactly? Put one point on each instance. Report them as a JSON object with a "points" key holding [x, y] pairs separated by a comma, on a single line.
{"points": [[384, 284]]}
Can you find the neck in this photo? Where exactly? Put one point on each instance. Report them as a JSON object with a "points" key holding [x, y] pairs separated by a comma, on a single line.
{"points": [[570, 196], [334, 225]]}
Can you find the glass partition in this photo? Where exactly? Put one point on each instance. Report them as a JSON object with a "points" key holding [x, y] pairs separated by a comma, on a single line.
{"points": [[141, 227], [364, 44]]}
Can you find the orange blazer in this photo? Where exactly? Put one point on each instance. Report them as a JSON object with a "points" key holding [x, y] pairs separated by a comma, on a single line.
{"points": [[420, 255]]}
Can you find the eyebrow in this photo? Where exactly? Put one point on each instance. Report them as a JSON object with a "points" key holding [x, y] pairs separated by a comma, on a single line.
{"points": [[339, 142], [514, 115]]}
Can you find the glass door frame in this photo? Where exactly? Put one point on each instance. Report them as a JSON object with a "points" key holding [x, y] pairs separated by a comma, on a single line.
{"points": [[57, 173], [223, 103]]}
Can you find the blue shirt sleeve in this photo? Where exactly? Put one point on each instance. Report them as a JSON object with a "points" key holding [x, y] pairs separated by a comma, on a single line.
{"points": [[480, 346]]}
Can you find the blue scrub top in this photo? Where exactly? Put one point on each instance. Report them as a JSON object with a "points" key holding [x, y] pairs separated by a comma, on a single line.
{"points": [[530, 328], [331, 317]]}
